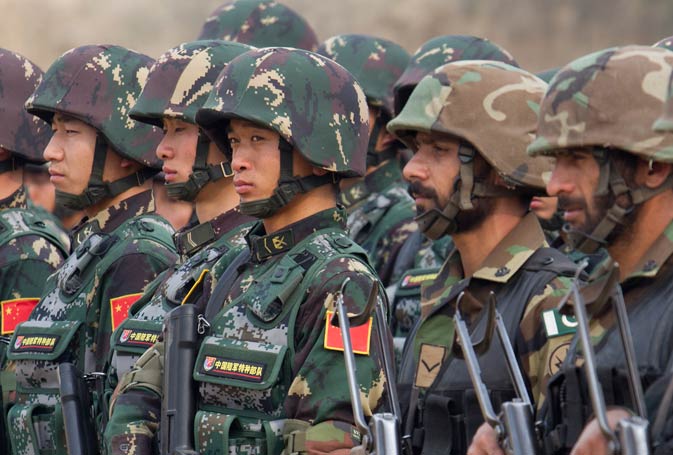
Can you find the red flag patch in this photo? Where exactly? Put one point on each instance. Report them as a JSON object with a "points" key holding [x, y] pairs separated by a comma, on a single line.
{"points": [[360, 336], [119, 308], [14, 312]]}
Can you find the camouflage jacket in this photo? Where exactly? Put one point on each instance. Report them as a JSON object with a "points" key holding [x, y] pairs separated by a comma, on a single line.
{"points": [[525, 276], [647, 292], [117, 253], [380, 216]]}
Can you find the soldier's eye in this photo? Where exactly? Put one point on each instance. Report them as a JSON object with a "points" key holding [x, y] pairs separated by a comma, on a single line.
{"points": [[233, 140]]}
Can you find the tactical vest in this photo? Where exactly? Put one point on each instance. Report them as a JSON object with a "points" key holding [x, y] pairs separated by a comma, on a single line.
{"points": [[64, 327], [242, 384], [449, 414], [144, 324], [568, 405]]}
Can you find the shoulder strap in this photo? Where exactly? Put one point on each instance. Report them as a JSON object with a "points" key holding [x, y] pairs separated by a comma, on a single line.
{"points": [[551, 260], [224, 284]]}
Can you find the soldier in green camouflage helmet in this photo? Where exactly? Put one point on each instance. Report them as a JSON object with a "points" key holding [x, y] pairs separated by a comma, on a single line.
{"points": [[269, 361], [469, 124], [613, 177], [32, 245], [178, 84], [380, 210], [100, 160], [259, 23]]}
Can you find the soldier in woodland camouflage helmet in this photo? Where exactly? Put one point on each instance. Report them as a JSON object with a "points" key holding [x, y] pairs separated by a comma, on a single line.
{"points": [[296, 123], [613, 177], [31, 244], [99, 160], [259, 23], [469, 124], [178, 84], [441, 50], [380, 210]]}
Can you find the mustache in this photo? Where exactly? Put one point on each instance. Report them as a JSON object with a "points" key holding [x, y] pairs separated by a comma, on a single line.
{"points": [[566, 202], [418, 190]]}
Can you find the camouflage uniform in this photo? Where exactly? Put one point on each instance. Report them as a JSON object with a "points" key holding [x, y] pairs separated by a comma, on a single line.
{"points": [[259, 23], [267, 379], [380, 210], [116, 254], [32, 245], [205, 249], [522, 271], [581, 111]]}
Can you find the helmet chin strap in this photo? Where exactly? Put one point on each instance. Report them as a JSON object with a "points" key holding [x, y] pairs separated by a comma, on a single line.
{"points": [[436, 223], [98, 190], [612, 182], [202, 173], [288, 186], [8, 165]]}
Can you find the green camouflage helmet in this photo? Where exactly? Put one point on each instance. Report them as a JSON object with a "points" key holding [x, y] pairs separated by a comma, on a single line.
{"points": [[441, 50], [491, 107], [98, 84], [376, 64], [178, 84], [607, 99], [313, 103], [20, 133], [259, 23], [666, 43]]}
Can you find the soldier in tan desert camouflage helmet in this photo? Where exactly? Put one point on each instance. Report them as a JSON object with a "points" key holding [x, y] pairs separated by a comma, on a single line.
{"points": [[469, 124], [101, 161], [614, 178], [32, 245], [259, 23]]}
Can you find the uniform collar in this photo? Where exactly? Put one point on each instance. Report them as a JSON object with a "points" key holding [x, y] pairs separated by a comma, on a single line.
{"points": [[513, 251], [656, 256], [193, 238], [376, 182], [106, 221], [17, 200], [263, 246]]}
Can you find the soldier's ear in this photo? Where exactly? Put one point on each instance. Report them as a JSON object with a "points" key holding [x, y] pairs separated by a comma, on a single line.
{"points": [[319, 171], [653, 173]]}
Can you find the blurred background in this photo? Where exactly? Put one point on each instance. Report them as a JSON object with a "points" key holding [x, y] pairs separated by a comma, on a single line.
{"points": [[539, 33]]}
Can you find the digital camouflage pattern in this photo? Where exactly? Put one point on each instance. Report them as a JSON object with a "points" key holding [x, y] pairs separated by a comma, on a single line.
{"points": [[328, 124], [259, 23], [491, 105], [580, 108], [116, 254], [181, 79], [375, 63], [24, 135], [440, 51], [98, 84]]}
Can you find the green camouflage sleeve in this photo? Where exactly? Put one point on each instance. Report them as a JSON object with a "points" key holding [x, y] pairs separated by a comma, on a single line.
{"points": [[319, 393]]}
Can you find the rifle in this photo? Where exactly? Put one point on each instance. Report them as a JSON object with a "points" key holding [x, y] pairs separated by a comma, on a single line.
{"points": [[381, 435], [80, 434], [631, 434], [514, 424]]}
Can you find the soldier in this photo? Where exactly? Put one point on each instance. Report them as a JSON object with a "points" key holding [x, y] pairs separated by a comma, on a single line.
{"points": [[613, 177], [32, 246], [419, 258], [380, 210], [196, 170], [101, 161], [270, 375], [259, 23], [469, 124]]}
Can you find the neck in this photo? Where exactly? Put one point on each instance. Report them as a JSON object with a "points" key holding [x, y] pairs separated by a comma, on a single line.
{"points": [[107, 203], [214, 199], [654, 215], [302, 206], [476, 245], [10, 182]]}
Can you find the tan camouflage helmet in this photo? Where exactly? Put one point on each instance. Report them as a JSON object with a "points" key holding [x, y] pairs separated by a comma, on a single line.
{"points": [[607, 102], [492, 107]]}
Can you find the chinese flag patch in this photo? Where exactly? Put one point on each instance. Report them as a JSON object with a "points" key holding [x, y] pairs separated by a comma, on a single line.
{"points": [[360, 336], [119, 308], [14, 312]]}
